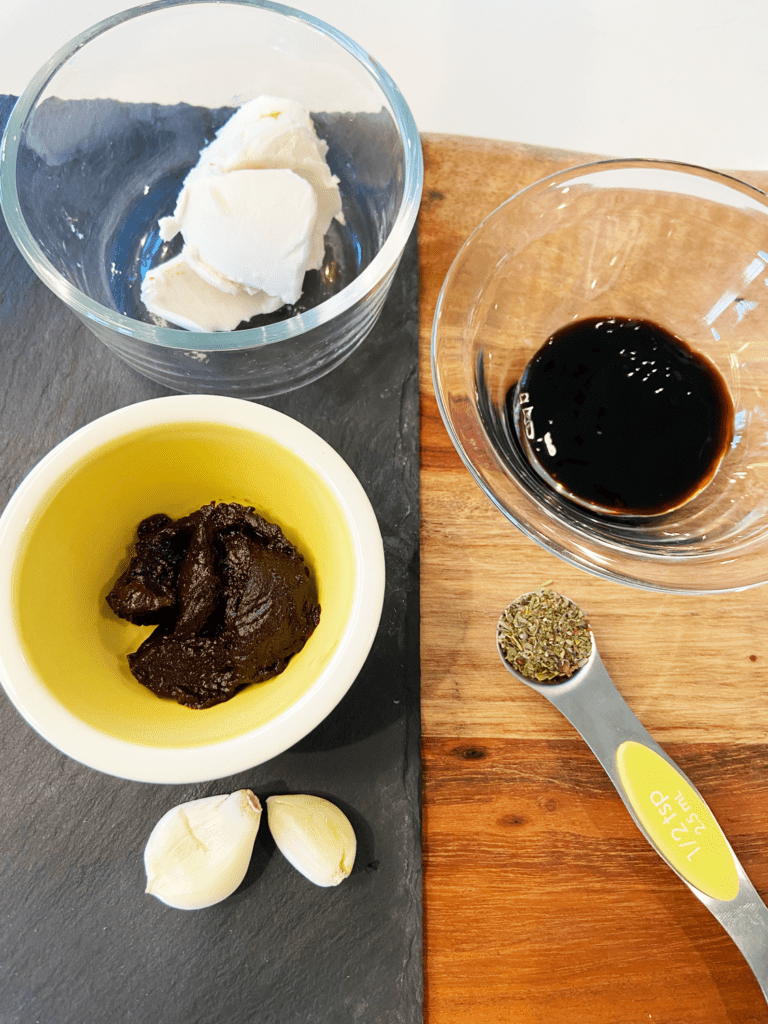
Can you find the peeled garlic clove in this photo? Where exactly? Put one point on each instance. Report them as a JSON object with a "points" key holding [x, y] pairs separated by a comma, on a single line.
{"points": [[198, 853], [314, 836]]}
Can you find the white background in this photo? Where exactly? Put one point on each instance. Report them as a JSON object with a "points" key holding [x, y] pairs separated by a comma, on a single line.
{"points": [[676, 79]]}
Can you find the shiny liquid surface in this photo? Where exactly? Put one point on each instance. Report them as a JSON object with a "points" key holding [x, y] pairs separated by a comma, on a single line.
{"points": [[622, 416]]}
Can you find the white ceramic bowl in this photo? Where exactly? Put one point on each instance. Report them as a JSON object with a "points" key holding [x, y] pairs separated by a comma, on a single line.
{"points": [[68, 530]]}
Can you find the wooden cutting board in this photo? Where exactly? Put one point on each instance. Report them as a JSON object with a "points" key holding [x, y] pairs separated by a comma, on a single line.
{"points": [[542, 902]]}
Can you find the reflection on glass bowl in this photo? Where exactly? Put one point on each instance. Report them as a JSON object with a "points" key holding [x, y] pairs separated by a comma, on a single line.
{"points": [[677, 245]]}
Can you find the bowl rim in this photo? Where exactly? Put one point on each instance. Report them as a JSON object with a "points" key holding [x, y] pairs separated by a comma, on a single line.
{"points": [[155, 764], [604, 560], [177, 338]]}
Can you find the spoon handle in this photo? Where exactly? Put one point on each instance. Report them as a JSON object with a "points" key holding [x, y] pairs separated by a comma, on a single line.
{"points": [[667, 808]]}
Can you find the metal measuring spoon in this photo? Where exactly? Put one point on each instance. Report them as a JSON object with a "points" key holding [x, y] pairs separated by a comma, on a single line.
{"points": [[666, 806]]}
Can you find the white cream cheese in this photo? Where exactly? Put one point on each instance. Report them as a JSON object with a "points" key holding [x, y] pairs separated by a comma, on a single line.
{"points": [[175, 292], [253, 213]]}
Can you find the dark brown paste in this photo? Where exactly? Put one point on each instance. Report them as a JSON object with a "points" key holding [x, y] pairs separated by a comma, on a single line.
{"points": [[232, 599]]}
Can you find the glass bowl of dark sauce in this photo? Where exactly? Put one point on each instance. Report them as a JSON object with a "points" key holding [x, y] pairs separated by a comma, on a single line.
{"points": [[600, 360]]}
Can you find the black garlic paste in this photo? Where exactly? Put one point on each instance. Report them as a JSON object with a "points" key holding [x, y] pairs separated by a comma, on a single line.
{"points": [[232, 599]]}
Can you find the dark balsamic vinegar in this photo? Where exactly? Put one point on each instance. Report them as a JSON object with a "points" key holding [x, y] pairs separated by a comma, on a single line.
{"points": [[622, 415]]}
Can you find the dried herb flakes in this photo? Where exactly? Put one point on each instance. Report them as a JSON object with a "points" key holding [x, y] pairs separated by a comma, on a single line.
{"points": [[544, 636]]}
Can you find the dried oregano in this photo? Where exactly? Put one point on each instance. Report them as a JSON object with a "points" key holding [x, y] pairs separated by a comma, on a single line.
{"points": [[544, 636]]}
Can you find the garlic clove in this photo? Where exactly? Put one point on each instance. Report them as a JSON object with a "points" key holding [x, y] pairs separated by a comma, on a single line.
{"points": [[313, 835], [198, 853]]}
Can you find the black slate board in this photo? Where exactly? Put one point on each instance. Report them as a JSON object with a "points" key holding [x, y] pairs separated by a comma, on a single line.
{"points": [[80, 943]]}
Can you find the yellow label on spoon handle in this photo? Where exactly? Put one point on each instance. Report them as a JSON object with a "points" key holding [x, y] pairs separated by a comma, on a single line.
{"points": [[681, 826]]}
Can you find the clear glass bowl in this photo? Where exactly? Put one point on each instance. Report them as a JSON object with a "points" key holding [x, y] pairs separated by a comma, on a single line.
{"points": [[678, 245], [97, 148]]}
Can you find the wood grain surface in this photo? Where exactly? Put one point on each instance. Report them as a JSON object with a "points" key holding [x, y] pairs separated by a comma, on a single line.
{"points": [[542, 902]]}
